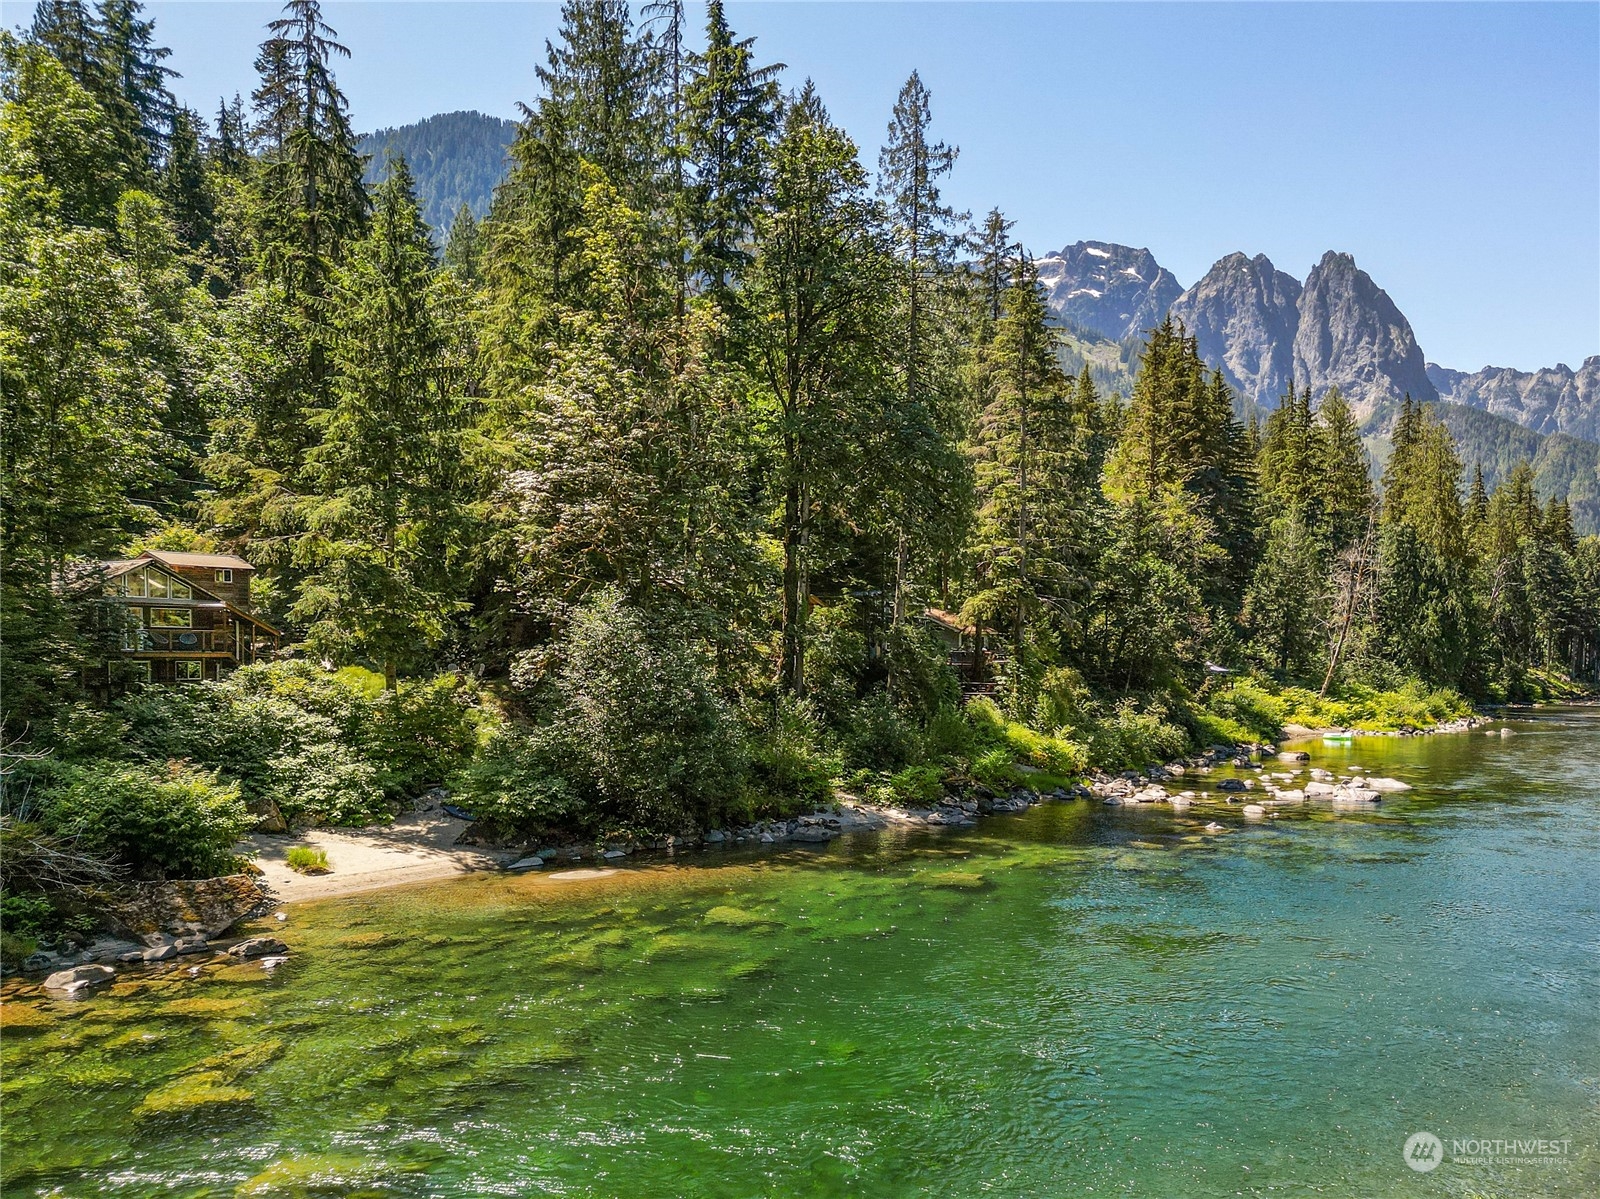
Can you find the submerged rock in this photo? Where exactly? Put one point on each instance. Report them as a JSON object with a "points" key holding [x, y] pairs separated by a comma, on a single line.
{"points": [[257, 947], [79, 979], [1383, 784]]}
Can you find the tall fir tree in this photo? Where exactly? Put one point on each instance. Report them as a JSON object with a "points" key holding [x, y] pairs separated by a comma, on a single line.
{"points": [[910, 167], [132, 61], [731, 109], [381, 525], [311, 174], [1033, 537]]}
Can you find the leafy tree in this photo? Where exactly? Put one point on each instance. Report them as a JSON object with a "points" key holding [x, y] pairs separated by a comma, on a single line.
{"points": [[60, 161]]}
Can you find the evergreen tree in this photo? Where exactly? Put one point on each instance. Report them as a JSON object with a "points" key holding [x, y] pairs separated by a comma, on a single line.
{"points": [[819, 296], [314, 200], [910, 167], [629, 460], [381, 538], [1031, 542], [992, 248], [597, 80], [184, 185], [1343, 474], [463, 248], [132, 61], [66, 29], [229, 151], [731, 108]]}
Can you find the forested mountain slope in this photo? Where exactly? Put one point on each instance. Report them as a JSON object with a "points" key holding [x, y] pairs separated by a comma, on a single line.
{"points": [[456, 158]]}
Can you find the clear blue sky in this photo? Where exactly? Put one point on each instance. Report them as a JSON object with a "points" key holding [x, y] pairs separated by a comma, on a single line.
{"points": [[1454, 149]]}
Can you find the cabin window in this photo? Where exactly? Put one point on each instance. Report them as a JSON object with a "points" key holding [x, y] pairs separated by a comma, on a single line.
{"points": [[188, 672], [171, 618], [181, 590], [140, 671], [155, 584], [133, 583]]}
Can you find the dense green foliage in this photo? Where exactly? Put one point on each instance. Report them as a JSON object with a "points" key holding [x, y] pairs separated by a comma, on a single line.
{"points": [[679, 441]]}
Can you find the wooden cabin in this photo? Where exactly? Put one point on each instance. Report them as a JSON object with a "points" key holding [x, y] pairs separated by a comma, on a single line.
{"points": [[976, 654], [187, 617]]}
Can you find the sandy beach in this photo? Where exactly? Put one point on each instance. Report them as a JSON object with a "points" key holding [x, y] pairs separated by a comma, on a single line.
{"points": [[415, 848]]}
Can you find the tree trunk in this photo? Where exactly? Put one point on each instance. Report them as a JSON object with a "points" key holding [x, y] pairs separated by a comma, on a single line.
{"points": [[791, 670]]}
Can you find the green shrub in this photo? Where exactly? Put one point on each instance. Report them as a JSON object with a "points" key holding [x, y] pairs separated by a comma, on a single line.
{"points": [[1132, 738], [288, 732], [919, 666], [421, 734], [949, 737], [1053, 755], [647, 739], [26, 916], [516, 783], [878, 735], [308, 860], [997, 769], [178, 824], [789, 760], [921, 786]]}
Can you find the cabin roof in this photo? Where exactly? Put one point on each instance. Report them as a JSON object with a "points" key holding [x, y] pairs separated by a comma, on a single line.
{"points": [[954, 623], [202, 561]]}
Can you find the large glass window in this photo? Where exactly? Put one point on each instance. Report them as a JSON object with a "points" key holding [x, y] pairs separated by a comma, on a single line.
{"points": [[180, 590], [156, 584], [171, 618], [188, 672], [133, 582]]}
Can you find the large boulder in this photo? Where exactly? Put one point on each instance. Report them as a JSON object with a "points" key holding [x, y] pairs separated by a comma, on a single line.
{"points": [[207, 907], [268, 818]]}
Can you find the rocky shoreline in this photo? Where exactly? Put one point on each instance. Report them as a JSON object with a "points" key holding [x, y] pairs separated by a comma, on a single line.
{"points": [[163, 921]]}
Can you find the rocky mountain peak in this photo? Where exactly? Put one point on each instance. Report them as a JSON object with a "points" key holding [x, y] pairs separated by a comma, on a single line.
{"points": [[1554, 399], [1352, 336], [1115, 291], [1243, 315]]}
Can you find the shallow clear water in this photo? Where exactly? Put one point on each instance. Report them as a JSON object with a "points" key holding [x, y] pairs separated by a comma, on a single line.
{"points": [[1077, 1001]]}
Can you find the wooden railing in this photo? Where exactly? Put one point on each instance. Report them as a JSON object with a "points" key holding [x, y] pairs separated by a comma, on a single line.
{"points": [[180, 641]]}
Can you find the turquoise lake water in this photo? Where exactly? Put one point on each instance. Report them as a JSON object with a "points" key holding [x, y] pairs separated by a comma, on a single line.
{"points": [[1078, 1001]]}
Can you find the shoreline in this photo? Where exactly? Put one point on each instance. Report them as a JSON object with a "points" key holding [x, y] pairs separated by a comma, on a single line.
{"points": [[424, 846]]}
